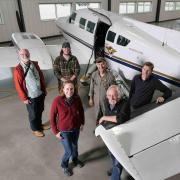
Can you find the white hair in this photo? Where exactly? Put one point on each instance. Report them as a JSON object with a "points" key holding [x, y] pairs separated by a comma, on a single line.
{"points": [[117, 89]]}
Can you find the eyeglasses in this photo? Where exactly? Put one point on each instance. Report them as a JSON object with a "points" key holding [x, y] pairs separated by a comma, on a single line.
{"points": [[24, 54]]}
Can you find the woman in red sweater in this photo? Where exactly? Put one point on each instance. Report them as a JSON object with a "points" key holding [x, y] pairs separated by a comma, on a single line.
{"points": [[67, 119]]}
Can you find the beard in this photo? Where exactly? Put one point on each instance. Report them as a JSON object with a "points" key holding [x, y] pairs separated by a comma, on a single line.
{"points": [[25, 60]]}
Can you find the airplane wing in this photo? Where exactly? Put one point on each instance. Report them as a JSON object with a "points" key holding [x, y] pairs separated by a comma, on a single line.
{"points": [[168, 36], [147, 146], [54, 50], [38, 50], [9, 57]]}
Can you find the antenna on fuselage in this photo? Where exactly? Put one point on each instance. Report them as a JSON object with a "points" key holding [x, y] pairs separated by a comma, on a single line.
{"points": [[163, 43]]}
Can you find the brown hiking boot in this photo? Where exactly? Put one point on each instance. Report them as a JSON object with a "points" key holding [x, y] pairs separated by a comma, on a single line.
{"points": [[38, 133]]}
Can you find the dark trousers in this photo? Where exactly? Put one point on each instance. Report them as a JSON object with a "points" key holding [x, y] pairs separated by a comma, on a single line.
{"points": [[116, 168], [70, 143], [35, 109]]}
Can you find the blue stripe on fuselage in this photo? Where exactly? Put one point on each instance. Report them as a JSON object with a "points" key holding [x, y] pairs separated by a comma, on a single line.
{"points": [[120, 61]]}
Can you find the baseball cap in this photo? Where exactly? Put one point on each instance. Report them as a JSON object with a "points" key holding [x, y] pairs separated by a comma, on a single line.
{"points": [[66, 45], [100, 59]]}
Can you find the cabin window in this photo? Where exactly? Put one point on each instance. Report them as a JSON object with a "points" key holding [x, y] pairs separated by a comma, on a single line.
{"points": [[53, 11], [1, 17], [84, 5], [90, 27], [122, 41], [72, 18], [111, 36], [82, 23]]}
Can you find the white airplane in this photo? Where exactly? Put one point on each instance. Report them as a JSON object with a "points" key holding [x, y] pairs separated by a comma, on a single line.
{"points": [[126, 44], [147, 146]]}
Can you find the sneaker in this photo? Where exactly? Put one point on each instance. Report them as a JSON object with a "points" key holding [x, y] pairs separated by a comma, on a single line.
{"points": [[38, 133], [68, 172], [78, 163]]}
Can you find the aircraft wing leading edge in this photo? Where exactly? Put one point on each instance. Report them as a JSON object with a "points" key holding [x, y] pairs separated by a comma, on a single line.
{"points": [[147, 146]]}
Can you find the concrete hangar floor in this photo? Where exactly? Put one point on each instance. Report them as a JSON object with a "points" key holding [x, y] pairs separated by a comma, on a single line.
{"points": [[24, 156]]}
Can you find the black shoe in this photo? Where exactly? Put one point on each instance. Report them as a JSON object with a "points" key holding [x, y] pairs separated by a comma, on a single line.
{"points": [[78, 163], [109, 172], [68, 172]]}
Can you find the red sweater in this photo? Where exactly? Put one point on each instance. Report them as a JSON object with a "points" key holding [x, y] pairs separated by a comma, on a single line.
{"points": [[64, 116], [20, 82]]}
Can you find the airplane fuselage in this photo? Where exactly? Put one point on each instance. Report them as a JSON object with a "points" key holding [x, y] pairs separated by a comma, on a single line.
{"points": [[126, 45]]}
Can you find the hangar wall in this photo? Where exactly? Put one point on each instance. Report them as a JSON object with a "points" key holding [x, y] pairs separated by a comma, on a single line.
{"points": [[46, 28], [168, 15], [9, 25], [145, 17], [30, 8]]}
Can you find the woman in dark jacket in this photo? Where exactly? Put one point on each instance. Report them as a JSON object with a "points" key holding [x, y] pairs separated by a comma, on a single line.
{"points": [[67, 119]]}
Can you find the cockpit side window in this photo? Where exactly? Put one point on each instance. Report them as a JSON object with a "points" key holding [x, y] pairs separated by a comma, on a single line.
{"points": [[82, 23], [122, 41], [90, 26], [111, 36], [72, 18]]}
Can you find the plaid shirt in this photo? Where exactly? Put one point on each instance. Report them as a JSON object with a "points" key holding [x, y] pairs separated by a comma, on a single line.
{"points": [[64, 68]]}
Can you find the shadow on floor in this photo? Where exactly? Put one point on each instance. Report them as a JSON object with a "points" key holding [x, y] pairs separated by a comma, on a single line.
{"points": [[92, 155]]}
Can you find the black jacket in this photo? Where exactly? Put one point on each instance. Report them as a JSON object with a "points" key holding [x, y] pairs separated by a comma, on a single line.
{"points": [[121, 110]]}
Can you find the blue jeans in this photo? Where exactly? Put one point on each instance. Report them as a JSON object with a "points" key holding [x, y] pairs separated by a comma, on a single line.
{"points": [[70, 143], [116, 168]]}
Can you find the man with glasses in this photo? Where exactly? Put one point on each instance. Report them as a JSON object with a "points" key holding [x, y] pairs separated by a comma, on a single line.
{"points": [[114, 111], [30, 85]]}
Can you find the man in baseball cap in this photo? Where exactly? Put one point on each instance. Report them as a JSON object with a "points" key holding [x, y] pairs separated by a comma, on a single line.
{"points": [[66, 66]]}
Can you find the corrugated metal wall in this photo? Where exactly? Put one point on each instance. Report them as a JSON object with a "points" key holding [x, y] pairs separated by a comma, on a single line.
{"points": [[145, 17], [8, 9], [32, 17], [149, 17], [45, 28], [167, 15], [48, 28]]}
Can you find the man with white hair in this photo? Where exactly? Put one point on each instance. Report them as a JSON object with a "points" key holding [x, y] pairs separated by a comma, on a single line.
{"points": [[30, 85], [115, 111]]}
